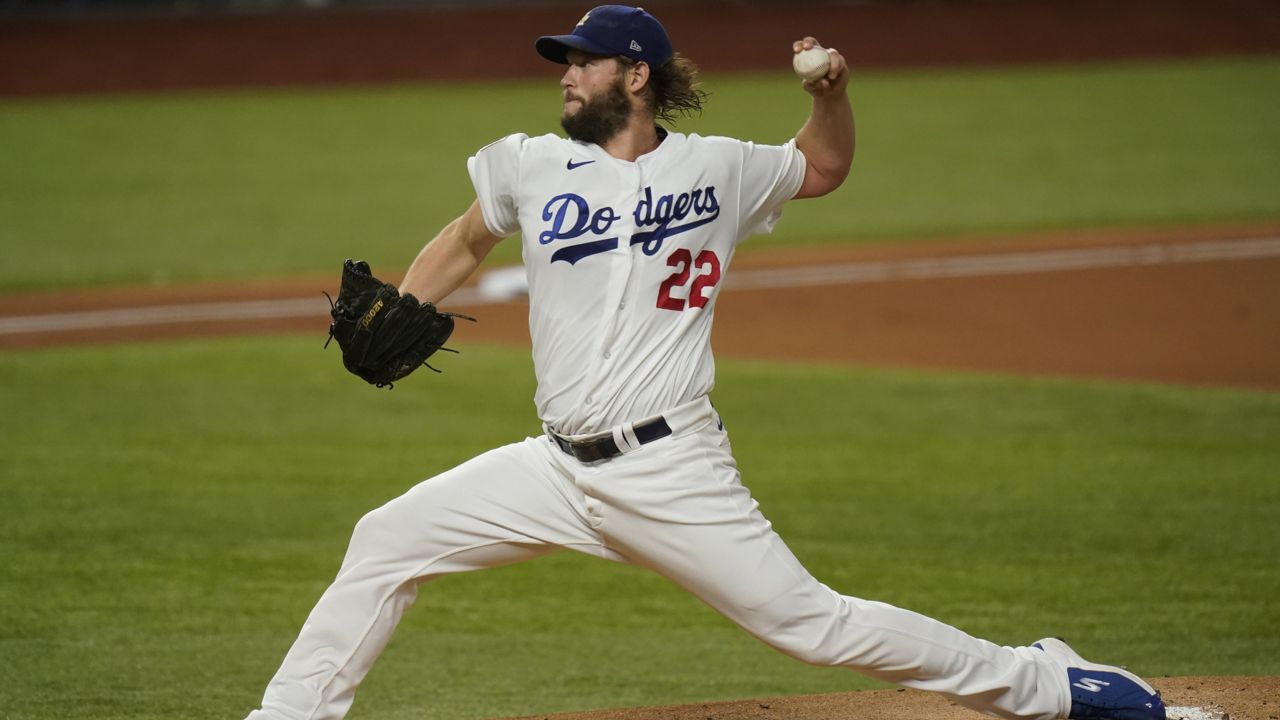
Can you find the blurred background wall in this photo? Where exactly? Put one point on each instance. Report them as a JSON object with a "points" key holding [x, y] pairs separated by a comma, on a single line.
{"points": [[94, 46]]}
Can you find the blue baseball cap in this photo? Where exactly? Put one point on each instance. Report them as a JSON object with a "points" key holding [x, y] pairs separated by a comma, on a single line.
{"points": [[612, 30]]}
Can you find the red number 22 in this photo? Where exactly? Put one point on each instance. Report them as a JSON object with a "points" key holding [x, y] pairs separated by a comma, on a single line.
{"points": [[708, 266]]}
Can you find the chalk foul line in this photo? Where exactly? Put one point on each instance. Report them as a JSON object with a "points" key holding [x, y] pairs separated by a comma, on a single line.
{"points": [[1039, 261]]}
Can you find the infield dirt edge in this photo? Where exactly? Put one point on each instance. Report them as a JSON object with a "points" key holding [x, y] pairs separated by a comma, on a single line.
{"points": [[1239, 697]]}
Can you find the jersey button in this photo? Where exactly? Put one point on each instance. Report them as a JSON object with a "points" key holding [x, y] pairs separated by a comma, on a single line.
{"points": [[588, 399], [607, 354]]}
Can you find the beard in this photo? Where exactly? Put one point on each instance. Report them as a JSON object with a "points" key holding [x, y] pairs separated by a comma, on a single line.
{"points": [[599, 118]]}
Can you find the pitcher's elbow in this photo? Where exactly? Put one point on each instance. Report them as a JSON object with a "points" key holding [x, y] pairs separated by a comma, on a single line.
{"points": [[823, 181]]}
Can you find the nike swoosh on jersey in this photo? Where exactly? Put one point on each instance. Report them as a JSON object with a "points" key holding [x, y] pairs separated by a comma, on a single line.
{"points": [[571, 164]]}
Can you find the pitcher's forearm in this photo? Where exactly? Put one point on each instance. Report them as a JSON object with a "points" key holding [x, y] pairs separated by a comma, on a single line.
{"points": [[827, 137], [451, 257], [440, 267]]}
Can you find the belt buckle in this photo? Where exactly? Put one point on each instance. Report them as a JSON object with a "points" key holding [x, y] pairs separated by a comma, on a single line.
{"points": [[591, 452], [603, 447], [587, 451]]}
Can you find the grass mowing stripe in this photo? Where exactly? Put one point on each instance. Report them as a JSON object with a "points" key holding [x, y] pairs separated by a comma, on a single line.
{"points": [[199, 186], [174, 509]]}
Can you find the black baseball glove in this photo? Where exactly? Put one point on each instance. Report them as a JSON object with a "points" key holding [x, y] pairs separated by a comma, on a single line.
{"points": [[384, 335]]}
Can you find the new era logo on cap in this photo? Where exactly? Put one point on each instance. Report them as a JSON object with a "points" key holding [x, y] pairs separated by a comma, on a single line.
{"points": [[612, 30]]}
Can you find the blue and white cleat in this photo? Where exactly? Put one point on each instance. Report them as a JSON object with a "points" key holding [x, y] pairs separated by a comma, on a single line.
{"points": [[1103, 692]]}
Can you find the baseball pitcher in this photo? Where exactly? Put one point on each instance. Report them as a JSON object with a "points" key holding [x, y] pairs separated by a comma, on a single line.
{"points": [[627, 231]]}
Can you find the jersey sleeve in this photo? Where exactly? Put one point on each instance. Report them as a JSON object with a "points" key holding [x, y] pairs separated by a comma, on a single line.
{"points": [[771, 175], [495, 173]]}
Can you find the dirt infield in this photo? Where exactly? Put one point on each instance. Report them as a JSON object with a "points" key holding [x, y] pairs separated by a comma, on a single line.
{"points": [[1197, 306], [1241, 698]]}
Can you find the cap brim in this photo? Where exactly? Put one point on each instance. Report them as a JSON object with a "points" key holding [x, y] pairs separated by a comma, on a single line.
{"points": [[556, 47]]}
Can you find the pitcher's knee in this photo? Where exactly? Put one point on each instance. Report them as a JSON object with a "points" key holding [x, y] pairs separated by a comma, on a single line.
{"points": [[379, 533], [814, 651], [813, 633], [810, 625]]}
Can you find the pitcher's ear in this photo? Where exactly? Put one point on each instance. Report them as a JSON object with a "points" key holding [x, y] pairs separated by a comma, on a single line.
{"points": [[639, 76]]}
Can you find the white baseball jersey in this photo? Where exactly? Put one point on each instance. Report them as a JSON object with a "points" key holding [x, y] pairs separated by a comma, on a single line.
{"points": [[625, 261]]}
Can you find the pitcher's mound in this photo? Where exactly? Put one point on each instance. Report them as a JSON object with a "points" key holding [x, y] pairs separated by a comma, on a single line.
{"points": [[1188, 698]]}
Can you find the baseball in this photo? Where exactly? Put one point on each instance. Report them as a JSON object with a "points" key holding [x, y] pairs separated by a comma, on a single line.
{"points": [[811, 64]]}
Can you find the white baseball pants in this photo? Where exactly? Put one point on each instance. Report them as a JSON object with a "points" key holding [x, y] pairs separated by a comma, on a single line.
{"points": [[675, 506]]}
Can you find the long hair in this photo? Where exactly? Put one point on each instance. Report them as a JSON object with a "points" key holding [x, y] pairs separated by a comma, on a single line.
{"points": [[673, 89]]}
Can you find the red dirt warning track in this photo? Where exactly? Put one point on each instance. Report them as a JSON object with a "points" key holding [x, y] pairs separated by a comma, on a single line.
{"points": [[1198, 306], [352, 47]]}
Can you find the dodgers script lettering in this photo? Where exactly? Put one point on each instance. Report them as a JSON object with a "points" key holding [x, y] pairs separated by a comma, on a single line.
{"points": [[656, 218]]}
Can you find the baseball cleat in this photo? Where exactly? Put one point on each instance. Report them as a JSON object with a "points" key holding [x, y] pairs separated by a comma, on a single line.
{"points": [[1103, 692]]}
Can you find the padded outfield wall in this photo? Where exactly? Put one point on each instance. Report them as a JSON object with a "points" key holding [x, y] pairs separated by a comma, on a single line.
{"points": [[79, 46]]}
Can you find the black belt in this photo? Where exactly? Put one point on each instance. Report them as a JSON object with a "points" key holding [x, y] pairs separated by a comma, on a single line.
{"points": [[604, 448]]}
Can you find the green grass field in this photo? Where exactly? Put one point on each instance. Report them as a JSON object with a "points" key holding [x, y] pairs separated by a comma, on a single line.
{"points": [[172, 510], [260, 184]]}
